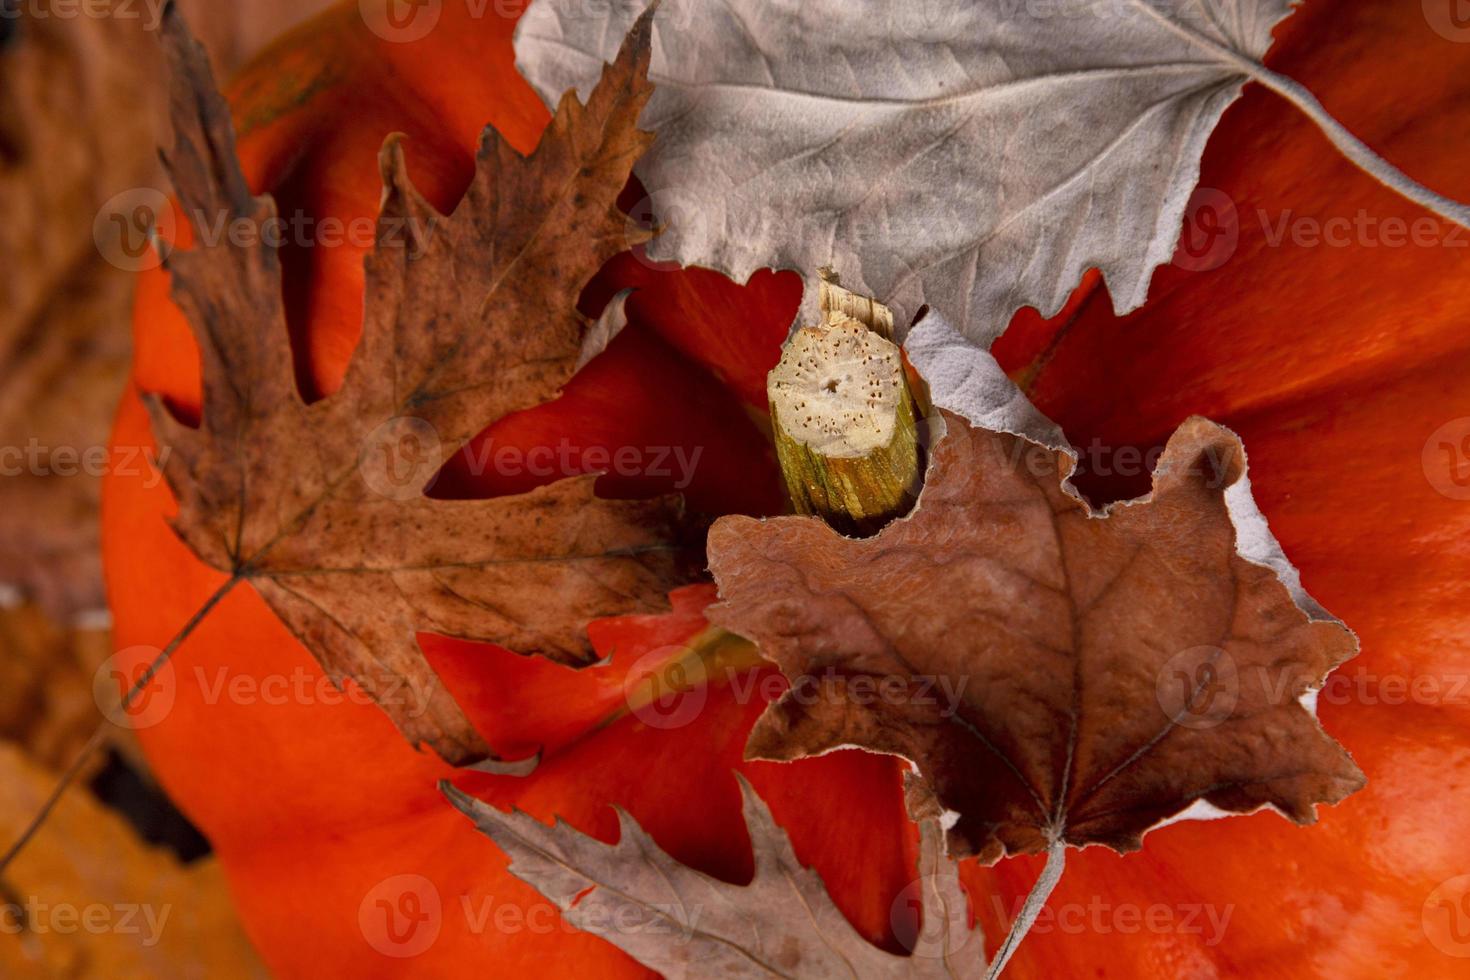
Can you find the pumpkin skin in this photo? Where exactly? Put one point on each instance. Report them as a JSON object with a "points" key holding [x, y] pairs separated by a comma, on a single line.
{"points": [[306, 851], [311, 805], [1336, 365]]}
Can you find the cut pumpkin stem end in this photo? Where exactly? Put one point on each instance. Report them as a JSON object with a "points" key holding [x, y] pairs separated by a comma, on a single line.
{"points": [[844, 417]]}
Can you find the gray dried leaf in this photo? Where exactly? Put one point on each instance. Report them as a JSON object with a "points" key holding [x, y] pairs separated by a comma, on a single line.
{"points": [[974, 156], [686, 924]]}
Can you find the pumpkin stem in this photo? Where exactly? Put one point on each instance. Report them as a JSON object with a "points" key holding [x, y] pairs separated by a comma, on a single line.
{"points": [[99, 735], [844, 416], [1051, 873]]}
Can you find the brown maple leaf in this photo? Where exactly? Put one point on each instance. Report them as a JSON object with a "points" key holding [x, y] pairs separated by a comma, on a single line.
{"points": [[1054, 673], [468, 318]]}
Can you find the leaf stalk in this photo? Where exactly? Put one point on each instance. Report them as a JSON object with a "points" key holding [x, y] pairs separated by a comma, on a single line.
{"points": [[1051, 873]]}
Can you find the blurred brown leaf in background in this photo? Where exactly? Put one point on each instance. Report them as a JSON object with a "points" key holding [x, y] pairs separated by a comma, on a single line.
{"points": [[88, 899], [46, 685], [82, 114]]}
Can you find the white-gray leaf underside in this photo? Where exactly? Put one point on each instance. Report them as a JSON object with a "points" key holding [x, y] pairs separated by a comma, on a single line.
{"points": [[976, 156]]}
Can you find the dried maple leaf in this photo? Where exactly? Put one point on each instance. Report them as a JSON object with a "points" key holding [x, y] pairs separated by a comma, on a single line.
{"points": [[468, 318], [683, 923], [1055, 674]]}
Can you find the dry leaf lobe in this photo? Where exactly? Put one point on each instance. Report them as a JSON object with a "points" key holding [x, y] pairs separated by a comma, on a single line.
{"points": [[685, 924], [1108, 670], [468, 317]]}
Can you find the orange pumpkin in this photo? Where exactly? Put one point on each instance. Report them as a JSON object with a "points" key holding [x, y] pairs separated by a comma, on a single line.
{"points": [[1335, 364]]}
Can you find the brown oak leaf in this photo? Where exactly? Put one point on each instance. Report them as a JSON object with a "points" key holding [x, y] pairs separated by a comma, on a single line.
{"points": [[1055, 674], [685, 924], [468, 317]]}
